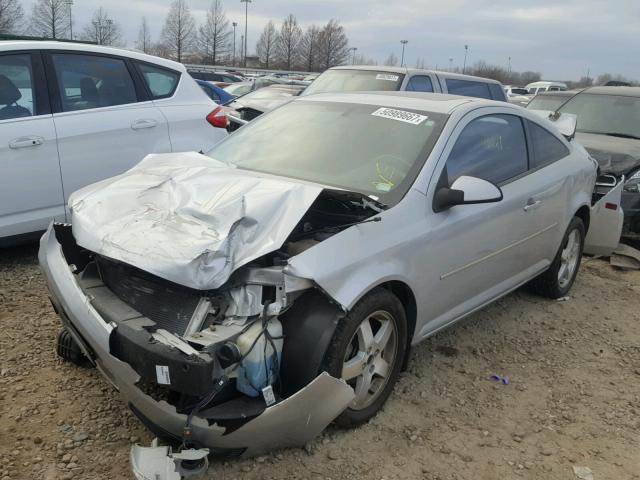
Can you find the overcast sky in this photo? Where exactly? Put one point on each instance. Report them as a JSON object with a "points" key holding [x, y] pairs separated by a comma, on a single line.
{"points": [[561, 38]]}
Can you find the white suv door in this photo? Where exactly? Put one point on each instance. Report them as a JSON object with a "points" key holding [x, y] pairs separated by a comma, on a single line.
{"points": [[105, 122], [30, 185]]}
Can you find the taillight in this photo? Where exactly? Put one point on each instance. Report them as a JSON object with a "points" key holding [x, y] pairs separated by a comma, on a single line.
{"points": [[218, 119]]}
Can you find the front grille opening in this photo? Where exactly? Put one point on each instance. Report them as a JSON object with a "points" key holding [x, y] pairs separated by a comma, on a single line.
{"points": [[169, 306]]}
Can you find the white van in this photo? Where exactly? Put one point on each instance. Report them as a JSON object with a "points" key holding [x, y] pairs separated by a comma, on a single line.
{"points": [[539, 87]]}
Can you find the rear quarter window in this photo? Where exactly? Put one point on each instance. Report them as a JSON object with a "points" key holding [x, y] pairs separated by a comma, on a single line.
{"points": [[497, 93], [546, 147], [161, 82]]}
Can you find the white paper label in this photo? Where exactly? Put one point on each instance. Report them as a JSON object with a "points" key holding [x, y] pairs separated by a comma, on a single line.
{"points": [[400, 115], [387, 76], [162, 374], [269, 397]]}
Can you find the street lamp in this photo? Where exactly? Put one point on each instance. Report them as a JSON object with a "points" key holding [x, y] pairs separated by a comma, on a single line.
{"points": [[246, 17], [353, 59], [69, 3], [464, 65], [451, 64], [235, 24], [403, 42]]}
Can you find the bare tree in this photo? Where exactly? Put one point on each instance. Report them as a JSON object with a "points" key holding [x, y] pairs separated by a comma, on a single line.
{"points": [[266, 46], [103, 29], [360, 59], [50, 18], [333, 45], [391, 61], [288, 44], [420, 63], [11, 16], [144, 37], [179, 29], [309, 48], [214, 33]]}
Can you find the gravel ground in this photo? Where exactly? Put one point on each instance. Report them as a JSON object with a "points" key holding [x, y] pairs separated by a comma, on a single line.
{"points": [[573, 399]]}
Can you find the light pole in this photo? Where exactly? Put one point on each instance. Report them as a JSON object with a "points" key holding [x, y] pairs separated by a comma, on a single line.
{"points": [[509, 66], [464, 65], [69, 4], [235, 24], [451, 64], [403, 42], [246, 17], [241, 47], [353, 49]]}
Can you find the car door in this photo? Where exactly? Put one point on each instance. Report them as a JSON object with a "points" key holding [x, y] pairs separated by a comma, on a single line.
{"points": [[105, 123], [30, 186], [479, 252]]}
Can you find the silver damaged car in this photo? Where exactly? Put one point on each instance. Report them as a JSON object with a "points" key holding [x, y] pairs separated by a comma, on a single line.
{"points": [[244, 299]]}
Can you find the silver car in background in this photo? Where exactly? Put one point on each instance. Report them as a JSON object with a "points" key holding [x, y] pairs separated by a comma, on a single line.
{"points": [[244, 299]]}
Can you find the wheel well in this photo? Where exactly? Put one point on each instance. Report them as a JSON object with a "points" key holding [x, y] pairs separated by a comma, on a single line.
{"points": [[408, 300], [583, 214]]}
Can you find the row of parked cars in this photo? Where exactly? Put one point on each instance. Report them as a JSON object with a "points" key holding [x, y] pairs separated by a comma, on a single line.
{"points": [[269, 281]]}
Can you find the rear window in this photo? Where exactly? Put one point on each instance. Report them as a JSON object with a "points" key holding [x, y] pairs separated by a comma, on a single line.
{"points": [[355, 81], [162, 82], [468, 88]]}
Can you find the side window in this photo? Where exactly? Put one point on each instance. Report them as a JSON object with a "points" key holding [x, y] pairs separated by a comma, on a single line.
{"points": [[212, 95], [17, 90], [492, 148], [468, 88], [419, 83], [87, 81], [497, 92], [162, 82], [546, 147]]}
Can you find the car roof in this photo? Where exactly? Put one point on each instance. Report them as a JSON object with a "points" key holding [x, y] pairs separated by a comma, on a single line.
{"points": [[11, 45], [427, 102], [623, 91], [413, 71]]}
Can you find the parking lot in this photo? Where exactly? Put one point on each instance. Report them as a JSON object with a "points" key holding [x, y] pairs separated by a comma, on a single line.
{"points": [[572, 400]]}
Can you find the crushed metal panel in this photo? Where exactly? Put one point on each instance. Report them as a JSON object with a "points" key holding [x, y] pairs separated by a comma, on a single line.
{"points": [[605, 225], [160, 463], [188, 218], [626, 257]]}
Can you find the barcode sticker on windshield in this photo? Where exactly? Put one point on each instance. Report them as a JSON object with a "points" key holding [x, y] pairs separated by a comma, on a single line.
{"points": [[388, 77], [400, 115]]}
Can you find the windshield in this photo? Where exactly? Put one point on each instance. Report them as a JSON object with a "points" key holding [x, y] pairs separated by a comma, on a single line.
{"points": [[363, 148], [547, 102], [355, 81], [606, 114]]}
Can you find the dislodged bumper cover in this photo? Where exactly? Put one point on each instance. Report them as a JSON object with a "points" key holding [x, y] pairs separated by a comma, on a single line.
{"points": [[291, 422], [188, 218]]}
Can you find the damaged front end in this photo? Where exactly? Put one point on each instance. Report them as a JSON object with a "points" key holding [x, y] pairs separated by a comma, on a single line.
{"points": [[236, 368]]}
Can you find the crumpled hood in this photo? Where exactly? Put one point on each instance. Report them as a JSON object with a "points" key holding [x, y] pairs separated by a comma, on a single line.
{"points": [[614, 154], [188, 218]]}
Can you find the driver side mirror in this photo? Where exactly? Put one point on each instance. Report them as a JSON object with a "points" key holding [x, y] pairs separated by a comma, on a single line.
{"points": [[466, 191]]}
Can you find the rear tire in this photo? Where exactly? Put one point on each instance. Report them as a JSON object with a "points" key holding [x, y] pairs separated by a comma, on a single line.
{"points": [[367, 351], [559, 278]]}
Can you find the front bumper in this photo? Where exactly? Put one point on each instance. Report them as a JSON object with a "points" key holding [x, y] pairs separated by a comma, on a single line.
{"points": [[291, 422]]}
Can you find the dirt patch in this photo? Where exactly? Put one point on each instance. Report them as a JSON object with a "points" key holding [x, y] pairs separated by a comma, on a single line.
{"points": [[573, 397]]}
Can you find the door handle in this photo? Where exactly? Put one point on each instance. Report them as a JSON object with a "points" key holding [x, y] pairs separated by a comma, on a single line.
{"points": [[532, 205], [143, 123], [24, 142]]}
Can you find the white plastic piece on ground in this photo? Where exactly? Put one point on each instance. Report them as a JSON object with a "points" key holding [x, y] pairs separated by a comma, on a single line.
{"points": [[605, 224], [160, 463], [582, 473], [188, 218], [626, 257]]}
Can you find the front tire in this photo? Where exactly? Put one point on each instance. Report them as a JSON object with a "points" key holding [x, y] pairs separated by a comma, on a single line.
{"points": [[559, 278], [367, 352]]}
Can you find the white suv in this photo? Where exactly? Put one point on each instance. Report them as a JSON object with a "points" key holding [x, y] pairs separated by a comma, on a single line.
{"points": [[73, 114]]}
